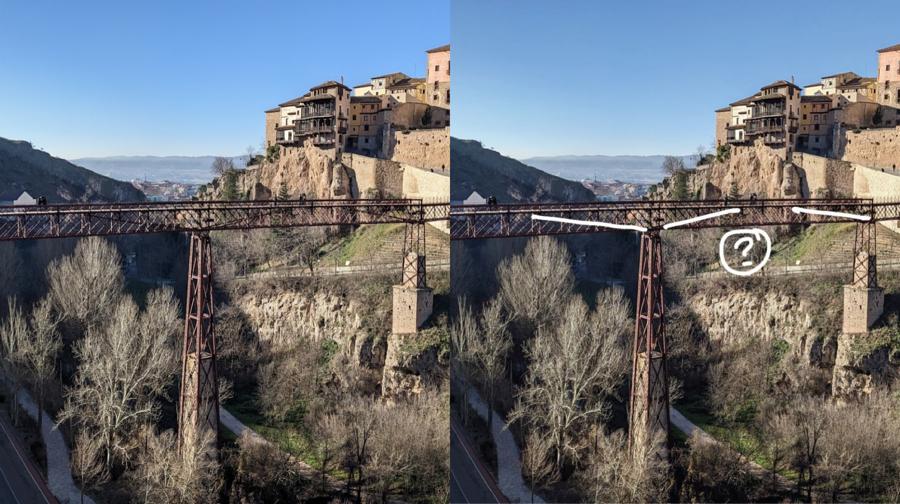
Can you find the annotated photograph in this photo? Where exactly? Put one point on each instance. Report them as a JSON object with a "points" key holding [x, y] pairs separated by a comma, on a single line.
{"points": [[225, 253], [674, 239]]}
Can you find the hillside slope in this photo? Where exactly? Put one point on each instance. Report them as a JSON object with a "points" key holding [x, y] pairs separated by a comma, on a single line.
{"points": [[24, 168], [491, 173]]}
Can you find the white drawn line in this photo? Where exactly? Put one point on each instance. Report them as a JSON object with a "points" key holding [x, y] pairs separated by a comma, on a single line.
{"points": [[799, 210], [699, 218], [625, 227]]}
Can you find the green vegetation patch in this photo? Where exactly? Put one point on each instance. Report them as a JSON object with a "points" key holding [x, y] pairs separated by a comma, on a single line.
{"points": [[360, 244]]}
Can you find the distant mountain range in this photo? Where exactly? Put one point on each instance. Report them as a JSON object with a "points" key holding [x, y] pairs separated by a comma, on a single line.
{"points": [[24, 168], [186, 169], [635, 169]]}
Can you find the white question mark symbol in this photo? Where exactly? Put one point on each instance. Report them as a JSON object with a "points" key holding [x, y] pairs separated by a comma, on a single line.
{"points": [[744, 253]]}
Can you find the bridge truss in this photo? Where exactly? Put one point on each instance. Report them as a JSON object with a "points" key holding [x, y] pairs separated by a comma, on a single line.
{"points": [[199, 398], [649, 396]]}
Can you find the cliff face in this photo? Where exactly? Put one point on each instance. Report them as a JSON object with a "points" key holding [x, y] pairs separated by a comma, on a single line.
{"points": [[768, 314], [856, 365], [24, 168], [387, 365], [754, 169], [307, 171]]}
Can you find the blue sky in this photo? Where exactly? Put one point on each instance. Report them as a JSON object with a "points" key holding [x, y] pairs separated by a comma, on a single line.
{"points": [[98, 78], [641, 77]]}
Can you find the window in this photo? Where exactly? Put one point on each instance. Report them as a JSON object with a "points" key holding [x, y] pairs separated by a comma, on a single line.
{"points": [[887, 67], [804, 117], [437, 68], [354, 117], [816, 127], [366, 127]]}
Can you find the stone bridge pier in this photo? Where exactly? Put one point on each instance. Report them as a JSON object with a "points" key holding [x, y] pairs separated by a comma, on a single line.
{"points": [[863, 299], [863, 305], [413, 300]]}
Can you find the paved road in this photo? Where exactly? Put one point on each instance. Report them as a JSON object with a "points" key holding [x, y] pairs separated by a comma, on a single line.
{"points": [[470, 481], [20, 481]]}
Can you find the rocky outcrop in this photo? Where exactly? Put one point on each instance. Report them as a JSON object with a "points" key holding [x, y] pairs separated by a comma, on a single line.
{"points": [[754, 169], [279, 315], [303, 171], [864, 362], [406, 366], [767, 314]]}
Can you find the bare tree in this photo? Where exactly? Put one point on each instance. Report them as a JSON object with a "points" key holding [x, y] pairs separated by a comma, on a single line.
{"points": [[85, 462], [536, 285], [169, 473], [331, 436], [264, 473], [489, 348], [618, 473], [124, 367], [221, 166], [672, 165], [14, 343], [537, 465], [43, 345], [573, 370], [86, 286]]}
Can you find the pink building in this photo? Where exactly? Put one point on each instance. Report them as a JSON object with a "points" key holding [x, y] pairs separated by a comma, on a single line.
{"points": [[437, 82], [889, 64]]}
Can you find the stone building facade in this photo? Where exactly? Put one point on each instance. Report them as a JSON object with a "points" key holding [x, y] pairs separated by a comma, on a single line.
{"points": [[438, 80]]}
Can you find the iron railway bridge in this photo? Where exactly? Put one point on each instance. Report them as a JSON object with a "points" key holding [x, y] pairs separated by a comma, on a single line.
{"points": [[198, 406]]}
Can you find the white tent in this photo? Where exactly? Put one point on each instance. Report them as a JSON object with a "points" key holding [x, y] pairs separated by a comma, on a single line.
{"points": [[25, 199], [474, 199]]}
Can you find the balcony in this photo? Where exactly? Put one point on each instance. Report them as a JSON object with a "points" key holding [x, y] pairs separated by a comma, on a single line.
{"points": [[313, 129]]}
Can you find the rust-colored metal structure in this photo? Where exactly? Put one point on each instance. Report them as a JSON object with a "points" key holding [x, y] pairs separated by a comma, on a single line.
{"points": [[865, 267], [413, 272], [198, 405], [649, 402]]}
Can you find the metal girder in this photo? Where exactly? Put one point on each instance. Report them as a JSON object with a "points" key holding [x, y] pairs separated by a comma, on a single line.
{"points": [[499, 221], [74, 220]]}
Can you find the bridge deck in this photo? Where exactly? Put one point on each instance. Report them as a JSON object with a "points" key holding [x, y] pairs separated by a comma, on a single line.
{"points": [[497, 221], [90, 219]]}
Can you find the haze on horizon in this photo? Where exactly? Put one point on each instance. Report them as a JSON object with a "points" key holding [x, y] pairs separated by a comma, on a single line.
{"points": [[539, 80], [185, 79]]}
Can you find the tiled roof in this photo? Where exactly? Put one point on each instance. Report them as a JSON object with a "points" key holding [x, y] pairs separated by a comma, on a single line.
{"points": [[743, 101], [858, 82], [275, 109], [328, 84], [407, 83], [780, 83], [392, 74], [890, 49], [838, 75], [295, 101], [365, 99], [439, 49], [815, 98], [724, 109]]}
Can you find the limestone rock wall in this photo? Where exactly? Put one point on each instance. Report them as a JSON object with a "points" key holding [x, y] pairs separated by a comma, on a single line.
{"points": [[306, 170], [754, 169], [769, 315]]}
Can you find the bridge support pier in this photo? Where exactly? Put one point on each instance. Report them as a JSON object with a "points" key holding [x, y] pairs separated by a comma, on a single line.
{"points": [[198, 410], [863, 299], [649, 402], [413, 300]]}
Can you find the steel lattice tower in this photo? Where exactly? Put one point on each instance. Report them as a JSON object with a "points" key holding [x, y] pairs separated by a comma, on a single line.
{"points": [[649, 402], [199, 402]]}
